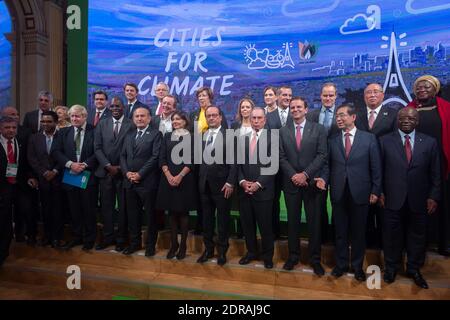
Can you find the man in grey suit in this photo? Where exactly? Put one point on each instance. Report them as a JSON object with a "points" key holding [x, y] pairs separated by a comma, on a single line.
{"points": [[354, 174], [109, 137], [303, 152], [140, 168], [32, 119]]}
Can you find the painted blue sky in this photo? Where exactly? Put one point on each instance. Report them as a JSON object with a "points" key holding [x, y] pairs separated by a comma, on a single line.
{"points": [[5, 51]]}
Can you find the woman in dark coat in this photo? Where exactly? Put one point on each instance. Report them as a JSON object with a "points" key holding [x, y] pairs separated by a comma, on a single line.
{"points": [[177, 191]]}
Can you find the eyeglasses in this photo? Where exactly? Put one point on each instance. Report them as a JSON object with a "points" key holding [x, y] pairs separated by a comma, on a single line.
{"points": [[376, 92], [341, 115]]}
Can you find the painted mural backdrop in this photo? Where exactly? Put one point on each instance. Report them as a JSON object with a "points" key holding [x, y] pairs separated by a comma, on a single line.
{"points": [[5, 56], [238, 47]]}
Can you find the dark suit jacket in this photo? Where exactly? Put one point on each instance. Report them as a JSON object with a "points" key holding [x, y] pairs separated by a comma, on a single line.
{"points": [[63, 149], [274, 121], [311, 157], [129, 114], [23, 170], [252, 171], [91, 115], [418, 181], [362, 170], [313, 115], [31, 120], [218, 174], [40, 161], [385, 123], [107, 148], [142, 158], [193, 116]]}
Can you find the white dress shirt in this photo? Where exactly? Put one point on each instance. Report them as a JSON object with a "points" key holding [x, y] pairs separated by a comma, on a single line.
{"points": [[377, 111], [352, 136]]}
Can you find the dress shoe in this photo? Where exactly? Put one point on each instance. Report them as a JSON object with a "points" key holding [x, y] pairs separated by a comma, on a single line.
{"points": [[44, 242], [418, 279], [360, 275], [57, 244], [181, 253], [69, 245], [130, 250], [119, 247], [222, 259], [246, 259], [31, 241], [337, 272], [20, 238], [172, 252], [150, 252], [268, 264], [389, 276], [318, 269], [205, 256], [444, 252], [88, 246], [102, 246], [290, 264]]}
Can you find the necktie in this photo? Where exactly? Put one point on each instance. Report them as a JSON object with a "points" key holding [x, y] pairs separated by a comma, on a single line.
{"points": [[49, 144], [210, 138], [130, 108], [348, 144], [97, 118], [408, 149], [116, 129], [253, 144], [158, 109], [139, 135], [371, 119], [327, 119], [283, 118], [11, 159], [78, 141], [298, 137]]}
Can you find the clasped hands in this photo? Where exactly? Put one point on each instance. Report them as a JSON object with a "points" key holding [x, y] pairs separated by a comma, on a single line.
{"points": [[134, 177], [250, 187], [300, 179], [78, 167]]}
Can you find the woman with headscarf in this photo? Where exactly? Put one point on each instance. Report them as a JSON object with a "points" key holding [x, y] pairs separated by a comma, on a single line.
{"points": [[434, 120]]}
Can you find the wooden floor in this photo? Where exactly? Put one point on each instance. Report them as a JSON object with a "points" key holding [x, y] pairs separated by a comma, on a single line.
{"points": [[40, 273]]}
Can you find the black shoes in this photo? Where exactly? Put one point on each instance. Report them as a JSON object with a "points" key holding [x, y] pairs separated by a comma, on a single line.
{"points": [[222, 259], [205, 256], [246, 259], [318, 269], [172, 252], [103, 245], [389, 276], [338, 272], [150, 251], [119, 247], [69, 245], [31, 241], [57, 244], [418, 279], [290, 264], [268, 264], [44, 242], [88, 246], [181, 253], [360, 275], [130, 250]]}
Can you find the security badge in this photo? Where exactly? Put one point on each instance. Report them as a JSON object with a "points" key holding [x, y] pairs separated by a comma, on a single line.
{"points": [[11, 170]]}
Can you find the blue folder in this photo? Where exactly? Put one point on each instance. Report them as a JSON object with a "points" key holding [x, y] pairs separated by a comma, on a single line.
{"points": [[77, 180]]}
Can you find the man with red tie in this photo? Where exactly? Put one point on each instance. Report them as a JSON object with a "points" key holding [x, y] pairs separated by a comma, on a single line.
{"points": [[101, 111], [411, 190], [15, 176]]}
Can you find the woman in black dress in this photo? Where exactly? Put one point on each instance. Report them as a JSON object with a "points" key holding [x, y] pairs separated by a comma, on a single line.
{"points": [[177, 191]]}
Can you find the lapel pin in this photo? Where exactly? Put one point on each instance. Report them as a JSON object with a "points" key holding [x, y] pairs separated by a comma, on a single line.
{"points": [[385, 113]]}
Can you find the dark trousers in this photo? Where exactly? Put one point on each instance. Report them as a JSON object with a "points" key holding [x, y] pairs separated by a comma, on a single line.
{"points": [[210, 202], [276, 207], [311, 198], [374, 226], [82, 210], [257, 212], [110, 190], [6, 229], [350, 218], [25, 211], [138, 200], [404, 229], [327, 229], [52, 214]]}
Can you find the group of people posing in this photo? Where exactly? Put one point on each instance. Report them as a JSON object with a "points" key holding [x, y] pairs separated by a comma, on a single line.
{"points": [[389, 166]]}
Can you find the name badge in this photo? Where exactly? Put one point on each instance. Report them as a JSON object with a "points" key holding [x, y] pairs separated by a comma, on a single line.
{"points": [[11, 170]]}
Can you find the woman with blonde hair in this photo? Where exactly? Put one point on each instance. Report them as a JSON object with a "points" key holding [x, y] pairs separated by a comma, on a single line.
{"points": [[245, 107], [63, 117]]}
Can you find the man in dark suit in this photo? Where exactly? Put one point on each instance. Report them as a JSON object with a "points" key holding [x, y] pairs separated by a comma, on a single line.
{"points": [[379, 120], [139, 166], [109, 137], [131, 91], [15, 179], [276, 120], [303, 152], [353, 171], [163, 121], [217, 179], [101, 111], [74, 151], [32, 119], [411, 190], [326, 116], [256, 191], [161, 90], [48, 172]]}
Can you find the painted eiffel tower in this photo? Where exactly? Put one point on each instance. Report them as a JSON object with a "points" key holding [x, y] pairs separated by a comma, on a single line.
{"points": [[394, 87]]}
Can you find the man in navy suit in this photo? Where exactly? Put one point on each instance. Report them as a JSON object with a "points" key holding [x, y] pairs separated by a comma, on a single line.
{"points": [[32, 119], [101, 111], [411, 190], [131, 91], [277, 120], [74, 151], [139, 166], [354, 174]]}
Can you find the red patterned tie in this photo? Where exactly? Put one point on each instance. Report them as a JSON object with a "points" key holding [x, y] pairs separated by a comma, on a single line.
{"points": [[97, 118], [298, 137], [11, 160], [408, 150], [348, 144], [371, 119]]}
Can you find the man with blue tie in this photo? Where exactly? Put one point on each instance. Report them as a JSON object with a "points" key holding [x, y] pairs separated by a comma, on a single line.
{"points": [[48, 173], [411, 191], [353, 172]]}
